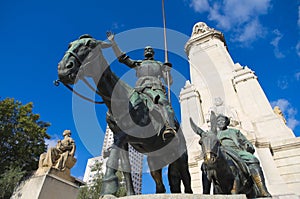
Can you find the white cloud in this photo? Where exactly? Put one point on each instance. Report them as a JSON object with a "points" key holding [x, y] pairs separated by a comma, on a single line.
{"points": [[250, 32], [298, 16], [283, 104], [200, 5], [275, 43], [116, 26], [298, 23], [283, 82], [242, 17], [289, 112], [298, 48], [52, 142], [297, 76]]}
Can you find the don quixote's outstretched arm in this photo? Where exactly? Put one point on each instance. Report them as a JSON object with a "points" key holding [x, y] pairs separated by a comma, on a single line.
{"points": [[122, 56]]}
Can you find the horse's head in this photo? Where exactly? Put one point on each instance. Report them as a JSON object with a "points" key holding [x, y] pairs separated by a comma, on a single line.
{"points": [[209, 142], [77, 58]]}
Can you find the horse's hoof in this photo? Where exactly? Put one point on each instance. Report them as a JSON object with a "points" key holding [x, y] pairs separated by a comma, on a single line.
{"points": [[160, 189]]}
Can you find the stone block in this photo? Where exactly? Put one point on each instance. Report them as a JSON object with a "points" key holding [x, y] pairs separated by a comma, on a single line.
{"points": [[197, 196], [47, 186], [179, 196]]}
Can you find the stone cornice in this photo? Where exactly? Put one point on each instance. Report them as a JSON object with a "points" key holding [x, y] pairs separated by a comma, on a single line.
{"points": [[243, 74], [188, 91], [288, 144], [262, 142]]}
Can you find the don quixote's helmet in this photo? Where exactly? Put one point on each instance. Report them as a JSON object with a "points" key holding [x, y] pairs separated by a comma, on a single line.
{"points": [[148, 52]]}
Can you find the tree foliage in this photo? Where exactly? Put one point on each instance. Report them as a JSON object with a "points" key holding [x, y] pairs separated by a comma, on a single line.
{"points": [[22, 139], [22, 135], [122, 191], [93, 190], [9, 180]]}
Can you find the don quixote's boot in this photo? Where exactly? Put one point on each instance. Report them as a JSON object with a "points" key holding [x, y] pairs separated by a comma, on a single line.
{"points": [[259, 180]]}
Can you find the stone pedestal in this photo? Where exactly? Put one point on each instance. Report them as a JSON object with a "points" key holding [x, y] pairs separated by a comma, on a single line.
{"points": [[287, 159], [48, 186], [196, 196], [179, 196]]}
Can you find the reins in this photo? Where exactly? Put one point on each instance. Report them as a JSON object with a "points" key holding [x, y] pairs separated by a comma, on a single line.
{"points": [[57, 83]]}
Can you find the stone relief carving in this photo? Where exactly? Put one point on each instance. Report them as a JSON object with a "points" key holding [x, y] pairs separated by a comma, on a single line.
{"points": [[201, 28]]}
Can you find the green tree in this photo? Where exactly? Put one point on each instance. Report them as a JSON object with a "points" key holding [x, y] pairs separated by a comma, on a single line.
{"points": [[93, 190], [22, 139], [122, 191], [9, 180]]}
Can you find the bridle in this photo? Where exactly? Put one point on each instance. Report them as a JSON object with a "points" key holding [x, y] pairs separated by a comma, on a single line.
{"points": [[76, 56], [216, 153], [57, 83]]}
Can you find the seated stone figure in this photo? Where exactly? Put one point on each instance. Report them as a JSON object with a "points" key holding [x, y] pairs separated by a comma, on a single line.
{"points": [[60, 157]]}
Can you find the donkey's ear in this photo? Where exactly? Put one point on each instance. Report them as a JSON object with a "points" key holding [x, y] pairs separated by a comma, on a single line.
{"points": [[213, 122], [195, 128]]}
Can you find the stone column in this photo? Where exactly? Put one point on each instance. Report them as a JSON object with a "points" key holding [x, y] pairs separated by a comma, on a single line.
{"points": [[190, 102]]}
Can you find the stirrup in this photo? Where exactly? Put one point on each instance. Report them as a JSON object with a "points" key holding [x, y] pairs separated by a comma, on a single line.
{"points": [[168, 133]]}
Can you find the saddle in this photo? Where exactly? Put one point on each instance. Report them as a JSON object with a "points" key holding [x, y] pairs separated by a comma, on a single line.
{"points": [[244, 173]]}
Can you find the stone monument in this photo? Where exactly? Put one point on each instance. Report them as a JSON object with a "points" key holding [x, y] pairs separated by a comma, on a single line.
{"points": [[53, 178], [219, 84]]}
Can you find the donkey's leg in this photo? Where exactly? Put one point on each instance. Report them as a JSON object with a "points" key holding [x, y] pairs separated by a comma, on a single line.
{"points": [[205, 181], [156, 175]]}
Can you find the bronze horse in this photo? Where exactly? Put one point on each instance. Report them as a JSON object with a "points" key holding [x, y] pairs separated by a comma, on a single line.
{"points": [[220, 167], [132, 122]]}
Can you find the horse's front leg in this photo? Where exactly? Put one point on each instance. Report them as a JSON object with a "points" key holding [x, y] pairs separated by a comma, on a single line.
{"points": [[156, 175], [125, 163], [178, 172], [110, 183], [185, 173], [174, 178]]}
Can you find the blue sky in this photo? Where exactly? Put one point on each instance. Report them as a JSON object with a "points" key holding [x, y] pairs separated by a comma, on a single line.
{"points": [[262, 34]]}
